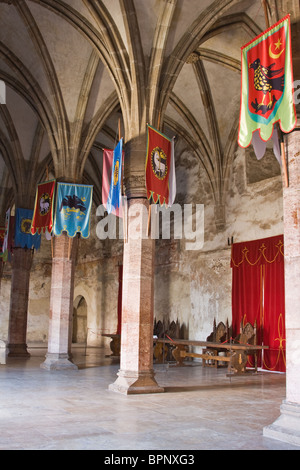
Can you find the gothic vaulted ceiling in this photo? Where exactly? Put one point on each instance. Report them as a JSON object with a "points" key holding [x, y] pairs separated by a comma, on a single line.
{"points": [[70, 69]]}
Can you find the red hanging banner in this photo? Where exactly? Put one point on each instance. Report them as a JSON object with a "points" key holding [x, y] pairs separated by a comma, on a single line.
{"points": [[158, 166], [267, 84], [43, 208]]}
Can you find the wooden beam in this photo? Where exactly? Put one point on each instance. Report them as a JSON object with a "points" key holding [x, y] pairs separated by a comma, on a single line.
{"points": [[206, 356]]}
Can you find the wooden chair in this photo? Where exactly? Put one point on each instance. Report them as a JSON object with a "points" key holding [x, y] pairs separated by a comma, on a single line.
{"points": [[220, 334], [173, 330], [248, 335]]}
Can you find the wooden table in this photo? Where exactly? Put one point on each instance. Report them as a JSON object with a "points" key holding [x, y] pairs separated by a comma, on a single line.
{"points": [[235, 354]]}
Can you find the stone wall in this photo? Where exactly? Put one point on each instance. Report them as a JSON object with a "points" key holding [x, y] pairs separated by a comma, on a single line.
{"points": [[195, 286]]}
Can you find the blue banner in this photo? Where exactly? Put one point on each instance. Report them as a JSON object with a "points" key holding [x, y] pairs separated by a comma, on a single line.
{"points": [[73, 207], [23, 237], [114, 196]]}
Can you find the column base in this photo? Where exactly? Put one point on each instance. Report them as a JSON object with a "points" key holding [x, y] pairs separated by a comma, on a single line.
{"points": [[58, 362], [17, 350], [287, 427], [132, 382]]}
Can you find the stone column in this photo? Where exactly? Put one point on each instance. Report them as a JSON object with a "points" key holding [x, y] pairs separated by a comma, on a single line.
{"points": [[17, 328], [61, 304], [287, 427], [136, 373]]}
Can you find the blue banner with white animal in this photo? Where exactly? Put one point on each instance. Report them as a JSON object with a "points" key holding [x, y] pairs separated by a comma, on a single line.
{"points": [[73, 207], [23, 236]]}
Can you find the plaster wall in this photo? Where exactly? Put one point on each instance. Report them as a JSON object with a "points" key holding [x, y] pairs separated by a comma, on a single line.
{"points": [[194, 286]]}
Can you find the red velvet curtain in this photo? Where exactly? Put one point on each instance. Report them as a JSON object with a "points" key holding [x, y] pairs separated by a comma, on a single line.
{"points": [[274, 317], [247, 301], [258, 296]]}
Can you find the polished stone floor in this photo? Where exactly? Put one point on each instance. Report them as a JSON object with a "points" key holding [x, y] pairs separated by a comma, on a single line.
{"points": [[201, 409]]}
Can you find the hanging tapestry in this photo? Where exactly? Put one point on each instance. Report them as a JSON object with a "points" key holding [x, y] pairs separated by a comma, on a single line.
{"points": [[114, 198], [160, 168], [267, 84], [108, 180], [23, 236], [258, 295], [43, 208], [72, 211]]}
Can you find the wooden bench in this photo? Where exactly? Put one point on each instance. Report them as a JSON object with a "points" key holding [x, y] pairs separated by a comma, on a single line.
{"points": [[236, 352]]}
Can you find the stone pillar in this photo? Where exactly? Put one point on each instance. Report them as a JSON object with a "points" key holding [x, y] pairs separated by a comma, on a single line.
{"points": [[287, 427], [61, 304], [136, 373], [17, 328]]}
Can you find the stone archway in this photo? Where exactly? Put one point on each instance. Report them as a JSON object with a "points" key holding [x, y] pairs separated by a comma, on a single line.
{"points": [[79, 330]]}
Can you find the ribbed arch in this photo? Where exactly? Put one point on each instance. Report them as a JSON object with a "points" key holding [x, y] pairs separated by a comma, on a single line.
{"points": [[7, 152], [193, 144], [30, 91], [110, 105], [41, 48]]}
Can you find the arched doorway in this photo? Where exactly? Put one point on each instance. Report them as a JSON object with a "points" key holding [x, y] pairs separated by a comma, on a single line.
{"points": [[79, 332]]}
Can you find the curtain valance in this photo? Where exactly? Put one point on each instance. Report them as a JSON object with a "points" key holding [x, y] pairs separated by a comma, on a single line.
{"points": [[258, 252]]}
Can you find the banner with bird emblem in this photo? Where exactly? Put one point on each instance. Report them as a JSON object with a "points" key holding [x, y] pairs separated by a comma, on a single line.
{"points": [[267, 84], [43, 208], [72, 210], [160, 168], [23, 235]]}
